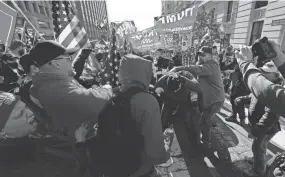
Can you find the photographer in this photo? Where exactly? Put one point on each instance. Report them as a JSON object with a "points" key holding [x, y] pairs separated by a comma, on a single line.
{"points": [[270, 94], [237, 89], [264, 123]]}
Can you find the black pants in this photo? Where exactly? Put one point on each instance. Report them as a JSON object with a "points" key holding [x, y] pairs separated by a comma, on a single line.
{"points": [[237, 91]]}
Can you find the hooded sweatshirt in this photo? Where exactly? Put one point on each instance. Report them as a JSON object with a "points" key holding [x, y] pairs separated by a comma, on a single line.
{"points": [[135, 71], [67, 102]]}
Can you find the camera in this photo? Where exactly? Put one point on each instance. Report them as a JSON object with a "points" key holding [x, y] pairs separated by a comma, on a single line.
{"points": [[263, 49]]}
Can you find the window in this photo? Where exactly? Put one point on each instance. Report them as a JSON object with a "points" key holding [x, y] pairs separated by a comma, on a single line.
{"points": [[42, 10], [43, 24], [35, 8], [259, 4], [256, 31], [227, 40], [213, 11], [168, 6], [47, 11], [283, 43], [229, 12], [27, 6]]}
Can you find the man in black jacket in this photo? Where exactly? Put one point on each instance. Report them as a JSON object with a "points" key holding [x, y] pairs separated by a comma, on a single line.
{"points": [[237, 89]]}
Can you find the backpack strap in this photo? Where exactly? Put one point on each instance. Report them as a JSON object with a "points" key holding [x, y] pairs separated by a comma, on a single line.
{"points": [[132, 91]]}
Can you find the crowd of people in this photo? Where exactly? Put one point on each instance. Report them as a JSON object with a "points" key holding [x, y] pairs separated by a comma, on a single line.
{"points": [[47, 89]]}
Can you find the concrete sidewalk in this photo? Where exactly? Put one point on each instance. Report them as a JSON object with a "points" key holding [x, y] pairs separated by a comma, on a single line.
{"points": [[278, 140], [229, 156]]}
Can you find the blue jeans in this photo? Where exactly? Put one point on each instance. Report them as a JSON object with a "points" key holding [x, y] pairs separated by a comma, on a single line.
{"points": [[259, 147]]}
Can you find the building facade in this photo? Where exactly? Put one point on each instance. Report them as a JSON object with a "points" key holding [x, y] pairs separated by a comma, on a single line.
{"points": [[243, 21], [168, 7], [94, 16], [39, 14], [246, 21]]}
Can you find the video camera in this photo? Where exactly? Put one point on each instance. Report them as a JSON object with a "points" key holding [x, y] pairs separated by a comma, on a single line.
{"points": [[262, 49]]}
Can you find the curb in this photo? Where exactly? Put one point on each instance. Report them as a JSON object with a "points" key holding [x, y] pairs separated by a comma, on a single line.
{"points": [[272, 146]]}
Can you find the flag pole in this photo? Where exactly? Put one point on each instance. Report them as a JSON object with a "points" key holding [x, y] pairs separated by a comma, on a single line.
{"points": [[26, 18], [24, 31]]}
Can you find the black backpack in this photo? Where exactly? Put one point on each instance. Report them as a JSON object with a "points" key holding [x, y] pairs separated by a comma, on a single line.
{"points": [[117, 148]]}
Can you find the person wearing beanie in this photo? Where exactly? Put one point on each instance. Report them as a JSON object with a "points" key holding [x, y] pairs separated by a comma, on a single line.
{"points": [[17, 120], [135, 71]]}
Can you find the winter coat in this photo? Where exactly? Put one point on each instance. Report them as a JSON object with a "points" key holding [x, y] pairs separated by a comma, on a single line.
{"points": [[262, 119], [270, 94], [135, 71], [67, 102]]}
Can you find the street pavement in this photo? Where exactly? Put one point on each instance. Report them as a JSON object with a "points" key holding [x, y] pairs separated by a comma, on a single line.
{"points": [[229, 156]]}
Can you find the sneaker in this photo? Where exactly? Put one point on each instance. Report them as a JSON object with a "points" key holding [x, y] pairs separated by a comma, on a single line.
{"points": [[168, 138], [231, 118]]}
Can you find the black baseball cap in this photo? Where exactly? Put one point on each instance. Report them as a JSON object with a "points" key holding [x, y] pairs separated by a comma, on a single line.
{"points": [[26, 62], [205, 49], [47, 50]]}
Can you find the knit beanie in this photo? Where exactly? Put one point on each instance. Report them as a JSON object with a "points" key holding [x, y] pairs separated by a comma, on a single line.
{"points": [[7, 104]]}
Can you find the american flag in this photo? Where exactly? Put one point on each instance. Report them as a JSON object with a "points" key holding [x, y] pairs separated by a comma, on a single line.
{"points": [[67, 28], [109, 75]]}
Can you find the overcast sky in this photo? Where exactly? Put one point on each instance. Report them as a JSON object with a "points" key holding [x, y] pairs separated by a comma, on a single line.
{"points": [[141, 11]]}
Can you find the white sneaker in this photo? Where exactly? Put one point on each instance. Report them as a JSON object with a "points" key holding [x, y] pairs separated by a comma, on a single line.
{"points": [[168, 138]]}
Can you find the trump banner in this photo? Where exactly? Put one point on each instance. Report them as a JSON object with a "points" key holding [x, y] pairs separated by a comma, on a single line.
{"points": [[146, 40], [181, 22], [122, 29], [8, 22]]}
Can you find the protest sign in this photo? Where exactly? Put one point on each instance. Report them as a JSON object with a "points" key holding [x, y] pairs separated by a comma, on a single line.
{"points": [[181, 22], [122, 29], [8, 22], [145, 40]]}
